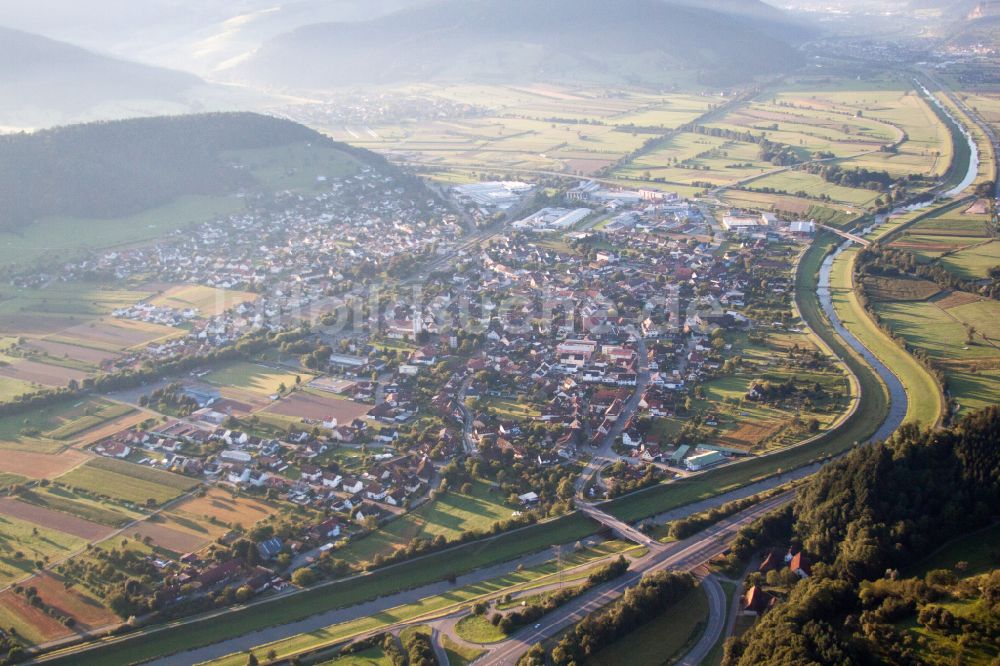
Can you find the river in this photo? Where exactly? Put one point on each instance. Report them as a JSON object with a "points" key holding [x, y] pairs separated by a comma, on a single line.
{"points": [[898, 401]]}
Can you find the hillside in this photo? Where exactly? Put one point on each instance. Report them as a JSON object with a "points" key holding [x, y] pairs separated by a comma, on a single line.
{"points": [[43, 79], [188, 35], [984, 30], [863, 522], [113, 169], [511, 40]]}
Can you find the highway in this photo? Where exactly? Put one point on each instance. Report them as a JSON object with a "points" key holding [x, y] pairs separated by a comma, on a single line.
{"points": [[686, 555]]}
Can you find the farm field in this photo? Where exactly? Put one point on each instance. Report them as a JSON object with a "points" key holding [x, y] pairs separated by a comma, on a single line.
{"points": [[925, 404], [220, 505], [56, 238], [449, 515], [899, 289], [208, 301], [35, 626], [573, 130], [688, 158], [126, 482], [836, 215], [169, 536], [25, 372], [24, 543], [259, 379], [956, 237], [196, 521], [927, 148], [54, 520], [939, 326], [38, 465], [852, 124], [309, 405], [45, 430], [116, 335], [813, 185], [661, 638], [61, 499]]}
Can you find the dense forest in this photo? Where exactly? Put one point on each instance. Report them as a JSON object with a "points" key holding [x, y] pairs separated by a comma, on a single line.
{"points": [[112, 169], [866, 518]]}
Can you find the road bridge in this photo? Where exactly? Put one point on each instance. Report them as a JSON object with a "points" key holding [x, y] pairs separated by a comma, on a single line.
{"points": [[849, 236], [620, 528]]}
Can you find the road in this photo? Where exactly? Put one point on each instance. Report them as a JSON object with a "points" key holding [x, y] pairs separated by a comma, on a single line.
{"points": [[849, 236], [717, 613], [685, 555], [604, 453], [467, 418], [620, 528]]}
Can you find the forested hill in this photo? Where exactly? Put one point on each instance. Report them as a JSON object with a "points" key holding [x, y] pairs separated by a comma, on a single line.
{"points": [[865, 519], [112, 169], [44, 82], [517, 40]]}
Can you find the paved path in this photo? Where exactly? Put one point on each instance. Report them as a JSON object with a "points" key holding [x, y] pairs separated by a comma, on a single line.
{"points": [[442, 656], [715, 624]]}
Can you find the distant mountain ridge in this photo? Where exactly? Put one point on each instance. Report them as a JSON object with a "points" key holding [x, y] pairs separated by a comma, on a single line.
{"points": [[525, 39], [63, 80], [118, 168]]}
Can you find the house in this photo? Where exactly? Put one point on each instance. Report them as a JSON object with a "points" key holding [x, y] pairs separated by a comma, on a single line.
{"points": [[331, 480], [350, 485], [311, 473], [328, 529], [771, 562], [631, 439], [528, 498], [375, 491], [218, 573], [270, 548], [650, 453], [113, 449], [756, 601], [800, 565]]}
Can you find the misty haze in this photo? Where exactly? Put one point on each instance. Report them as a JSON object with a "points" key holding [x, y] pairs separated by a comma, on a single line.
{"points": [[499, 332]]}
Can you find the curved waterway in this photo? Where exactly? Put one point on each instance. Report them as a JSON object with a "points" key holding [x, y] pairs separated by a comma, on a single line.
{"points": [[973, 171], [898, 401]]}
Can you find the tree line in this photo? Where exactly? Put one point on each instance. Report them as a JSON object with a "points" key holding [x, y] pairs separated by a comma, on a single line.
{"points": [[863, 519]]}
